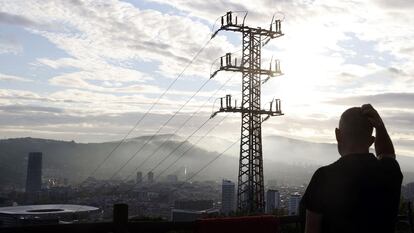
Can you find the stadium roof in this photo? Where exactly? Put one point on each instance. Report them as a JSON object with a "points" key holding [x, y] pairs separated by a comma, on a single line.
{"points": [[46, 209]]}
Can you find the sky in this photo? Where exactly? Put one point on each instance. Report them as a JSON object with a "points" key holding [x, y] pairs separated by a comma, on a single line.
{"points": [[88, 70]]}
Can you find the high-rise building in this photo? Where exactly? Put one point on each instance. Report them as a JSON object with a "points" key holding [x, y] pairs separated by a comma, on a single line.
{"points": [[139, 177], [272, 200], [150, 177], [34, 172], [228, 195], [293, 207]]}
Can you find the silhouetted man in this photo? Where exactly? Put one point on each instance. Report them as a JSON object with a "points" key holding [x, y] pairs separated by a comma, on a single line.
{"points": [[360, 192]]}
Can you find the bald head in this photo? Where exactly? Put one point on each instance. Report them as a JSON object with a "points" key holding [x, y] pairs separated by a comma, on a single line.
{"points": [[355, 128]]}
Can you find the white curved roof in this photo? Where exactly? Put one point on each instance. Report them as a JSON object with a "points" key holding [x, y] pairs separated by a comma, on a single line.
{"points": [[46, 209]]}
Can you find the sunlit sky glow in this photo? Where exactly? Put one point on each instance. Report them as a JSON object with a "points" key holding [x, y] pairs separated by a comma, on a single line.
{"points": [[87, 70]]}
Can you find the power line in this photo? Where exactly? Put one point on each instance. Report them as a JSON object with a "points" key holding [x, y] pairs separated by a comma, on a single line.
{"points": [[182, 143], [159, 130], [172, 152], [126, 179], [181, 126], [203, 167], [188, 149], [206, 165], [214, 159], [151, 107], [211, 161], [191, 147]]}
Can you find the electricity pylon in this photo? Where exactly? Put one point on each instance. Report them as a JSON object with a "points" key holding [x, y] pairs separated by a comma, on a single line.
{"points": [[250, 190]]}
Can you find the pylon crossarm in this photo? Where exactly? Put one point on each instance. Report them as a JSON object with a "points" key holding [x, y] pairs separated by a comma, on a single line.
{"points": [[227, 63], [242, 110], [258, 31], [269, 73], [231, 23]]}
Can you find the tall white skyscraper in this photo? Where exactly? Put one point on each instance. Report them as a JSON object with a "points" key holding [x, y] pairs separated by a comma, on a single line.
{"points": [[272, 200], [294, 201], [228, 196]]}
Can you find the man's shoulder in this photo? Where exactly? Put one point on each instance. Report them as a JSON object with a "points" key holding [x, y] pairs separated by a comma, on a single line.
{"points": [[328, 170], [348, 165], [322, 171], [330, 167]]}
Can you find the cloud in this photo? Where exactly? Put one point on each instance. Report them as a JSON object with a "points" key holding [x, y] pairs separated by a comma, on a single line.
{"points": [[68, 124], [80, 80], [396, 4], [19, 96], [118, 33], [400, 119], [386, 100], [12, 78], [90, 103], [29, 109], [18, 20]]}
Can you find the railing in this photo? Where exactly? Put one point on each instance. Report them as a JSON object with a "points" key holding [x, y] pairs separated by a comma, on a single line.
{"points": [[287, 224], [149, 227], [120, 224]]}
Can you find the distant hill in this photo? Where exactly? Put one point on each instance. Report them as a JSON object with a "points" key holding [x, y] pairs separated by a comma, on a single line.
{"points": [[286, 160], [77, 160]]}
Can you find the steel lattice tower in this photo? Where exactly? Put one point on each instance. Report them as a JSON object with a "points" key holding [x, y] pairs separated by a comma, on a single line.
{"points": [[250, 191]]}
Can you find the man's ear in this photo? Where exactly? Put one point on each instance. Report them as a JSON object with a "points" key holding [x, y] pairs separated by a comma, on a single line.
{"points": [[338, 134]]}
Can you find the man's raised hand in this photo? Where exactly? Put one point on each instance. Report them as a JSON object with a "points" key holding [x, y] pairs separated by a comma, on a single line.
{"points": [[372, 115], [383, 143]]}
